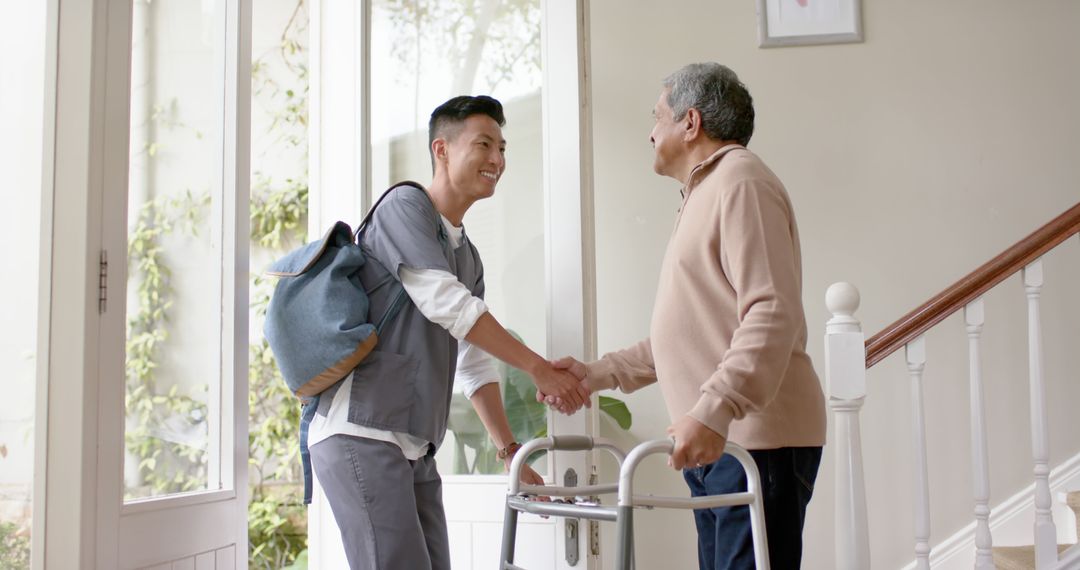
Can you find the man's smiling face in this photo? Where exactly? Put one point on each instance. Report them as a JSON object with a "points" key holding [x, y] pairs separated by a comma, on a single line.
{"points": [[476, 156]]}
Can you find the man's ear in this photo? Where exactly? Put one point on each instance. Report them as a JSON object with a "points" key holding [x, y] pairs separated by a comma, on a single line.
{"points": [[438, 149], [691, 124]]}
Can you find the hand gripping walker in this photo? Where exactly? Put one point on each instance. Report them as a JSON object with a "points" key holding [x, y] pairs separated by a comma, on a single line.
{"points": [[517, 497]]}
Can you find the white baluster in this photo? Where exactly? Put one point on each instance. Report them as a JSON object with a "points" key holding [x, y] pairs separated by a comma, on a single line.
{"points": [[845, 376], [916, 362], [980, 459], [1045, 532]]}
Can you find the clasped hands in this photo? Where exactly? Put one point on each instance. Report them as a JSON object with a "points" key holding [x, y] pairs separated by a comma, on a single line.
{"points": [[572, 367], [695, 443]]}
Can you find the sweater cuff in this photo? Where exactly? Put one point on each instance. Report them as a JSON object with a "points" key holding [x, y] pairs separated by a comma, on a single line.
{"points": [[714, 413], [600, 375]]}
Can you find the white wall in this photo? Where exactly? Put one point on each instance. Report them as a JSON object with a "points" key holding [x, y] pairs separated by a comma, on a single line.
{"points": [[22, 70], [911, 159]]}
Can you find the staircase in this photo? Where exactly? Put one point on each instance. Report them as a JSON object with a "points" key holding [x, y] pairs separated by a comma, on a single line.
{"points": [[1023, 557], [848, 355]]}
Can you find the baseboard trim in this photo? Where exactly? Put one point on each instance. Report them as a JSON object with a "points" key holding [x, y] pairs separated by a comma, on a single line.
{"points": [[963, 542]]}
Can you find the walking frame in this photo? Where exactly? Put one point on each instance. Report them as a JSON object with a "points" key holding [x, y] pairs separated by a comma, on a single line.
{"points": [[521, 497]]}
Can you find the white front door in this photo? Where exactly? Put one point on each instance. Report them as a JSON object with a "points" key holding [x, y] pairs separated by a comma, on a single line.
{"points": [[172, 405], [378, 70]]}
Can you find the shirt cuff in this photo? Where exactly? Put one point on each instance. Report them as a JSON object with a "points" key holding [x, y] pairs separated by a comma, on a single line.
{"points": [[470, 312], [442, 299], [714, 413], [600, 375], [475, 369], [470, 387]]}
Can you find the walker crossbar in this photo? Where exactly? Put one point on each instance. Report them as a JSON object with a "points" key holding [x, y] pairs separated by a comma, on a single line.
{"points": [[517, 499], [561, 509], [557, 443], [583, 491]]}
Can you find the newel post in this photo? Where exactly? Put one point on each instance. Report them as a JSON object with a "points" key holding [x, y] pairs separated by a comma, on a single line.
{"points": [[845, 378]]}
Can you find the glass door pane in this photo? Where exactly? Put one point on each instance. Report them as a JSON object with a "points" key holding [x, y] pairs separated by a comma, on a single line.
{"points": [[423, 53], [175, 258], [21, 161]]}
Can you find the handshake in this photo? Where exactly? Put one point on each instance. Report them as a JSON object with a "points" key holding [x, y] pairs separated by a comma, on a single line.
{"points": [[561, 385]]}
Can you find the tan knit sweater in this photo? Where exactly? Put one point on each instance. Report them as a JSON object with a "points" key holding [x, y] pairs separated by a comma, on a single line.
{"points": [[728, 335]]}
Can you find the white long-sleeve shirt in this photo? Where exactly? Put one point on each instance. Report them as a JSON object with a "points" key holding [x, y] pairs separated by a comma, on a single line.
{"points": [[445, 301]]}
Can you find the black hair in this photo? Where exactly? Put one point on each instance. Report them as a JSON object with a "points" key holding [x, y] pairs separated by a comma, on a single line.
{"points": [[447, 118]]}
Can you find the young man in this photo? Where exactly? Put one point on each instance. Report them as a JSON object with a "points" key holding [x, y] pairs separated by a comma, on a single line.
{"points": [[728, 335], [374, 437]]}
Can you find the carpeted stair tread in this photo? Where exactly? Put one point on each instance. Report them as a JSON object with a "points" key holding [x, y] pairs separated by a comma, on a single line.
{"points": [[1018, 557]]}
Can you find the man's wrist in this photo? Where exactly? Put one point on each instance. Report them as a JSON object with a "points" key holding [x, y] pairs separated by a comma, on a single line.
{"points": [[507, 453], [534, 365]]}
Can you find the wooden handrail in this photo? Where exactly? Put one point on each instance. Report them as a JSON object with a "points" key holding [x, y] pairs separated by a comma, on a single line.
{"points": [[969, 288]]}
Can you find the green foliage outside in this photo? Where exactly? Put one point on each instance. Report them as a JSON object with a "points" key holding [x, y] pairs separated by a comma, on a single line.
{"points": [[277, 516], [277, 523], [164, 466], [474, 451], [14, 546]]}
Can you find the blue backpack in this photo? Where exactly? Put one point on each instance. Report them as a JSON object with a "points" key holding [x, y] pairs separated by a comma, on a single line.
{"points": [[317, 322]]}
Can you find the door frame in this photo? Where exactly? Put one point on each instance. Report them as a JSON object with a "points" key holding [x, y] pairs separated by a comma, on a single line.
{"points": [[569, 232], [66, 503]]}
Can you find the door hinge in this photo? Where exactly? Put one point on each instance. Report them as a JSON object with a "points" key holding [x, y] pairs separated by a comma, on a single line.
{"points": [[594, 526], [103, 281], [594, 538]]}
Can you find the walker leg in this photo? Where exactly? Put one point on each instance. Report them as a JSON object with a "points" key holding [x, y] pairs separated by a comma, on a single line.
{"points": [[509, 536], [757, 531], [624, 536]]}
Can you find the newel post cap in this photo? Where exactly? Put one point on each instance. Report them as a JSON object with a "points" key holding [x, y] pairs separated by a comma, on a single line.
{"points": [[842, 300], [845, 353]]}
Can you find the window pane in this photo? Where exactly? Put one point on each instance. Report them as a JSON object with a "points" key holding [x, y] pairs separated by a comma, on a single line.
{"points": [[422, 54], [277, 516], [174, 248], [23, 62]]}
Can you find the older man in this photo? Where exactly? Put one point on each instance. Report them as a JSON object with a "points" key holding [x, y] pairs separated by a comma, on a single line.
{"points": [[728, 335]]}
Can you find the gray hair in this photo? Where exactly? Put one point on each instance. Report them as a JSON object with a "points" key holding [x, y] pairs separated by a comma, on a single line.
{"points": [[727, 110]]}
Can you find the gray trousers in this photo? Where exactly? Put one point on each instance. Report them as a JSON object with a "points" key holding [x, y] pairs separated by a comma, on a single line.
{"points": [[389, 509]]}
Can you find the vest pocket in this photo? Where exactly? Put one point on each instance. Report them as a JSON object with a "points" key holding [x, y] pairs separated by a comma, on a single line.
{"points": [[383, 391]]}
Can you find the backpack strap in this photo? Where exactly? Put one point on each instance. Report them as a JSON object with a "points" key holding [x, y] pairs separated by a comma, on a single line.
{"points": [[367, 218], [399, 299], [307, 413]]}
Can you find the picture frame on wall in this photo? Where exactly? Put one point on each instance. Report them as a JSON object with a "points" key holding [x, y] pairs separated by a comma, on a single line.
{"points": [[808, 22]]}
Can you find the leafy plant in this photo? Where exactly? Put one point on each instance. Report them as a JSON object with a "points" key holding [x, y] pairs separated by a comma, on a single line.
{"points": [[528, 420], [277, 517], [165, 465], [14, 546]]}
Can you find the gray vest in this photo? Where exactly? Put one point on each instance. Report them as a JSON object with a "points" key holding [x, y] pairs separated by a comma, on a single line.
{"points": [[405, 384]]}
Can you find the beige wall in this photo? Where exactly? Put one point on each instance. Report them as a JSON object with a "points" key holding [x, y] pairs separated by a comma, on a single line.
{"points": [[911, 159]]}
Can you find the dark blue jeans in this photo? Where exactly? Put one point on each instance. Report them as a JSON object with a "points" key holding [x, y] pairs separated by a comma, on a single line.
{"points": [[787, 482]]}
